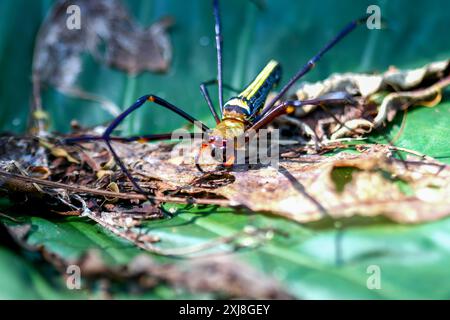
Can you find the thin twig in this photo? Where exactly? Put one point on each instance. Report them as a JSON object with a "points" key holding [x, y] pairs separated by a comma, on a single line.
{"points": [[110, 194]]}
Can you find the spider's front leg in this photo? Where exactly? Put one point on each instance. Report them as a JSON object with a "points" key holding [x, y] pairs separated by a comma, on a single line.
{"points": [[107, 138]]}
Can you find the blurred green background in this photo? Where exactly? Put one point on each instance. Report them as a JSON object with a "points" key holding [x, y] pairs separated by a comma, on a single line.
{"points": [[317, 261]]}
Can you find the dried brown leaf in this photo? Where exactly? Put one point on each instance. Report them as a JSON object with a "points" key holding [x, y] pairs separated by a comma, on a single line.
{"points": [[129, 47], [302, 188], [223, 276], [109, 34]]}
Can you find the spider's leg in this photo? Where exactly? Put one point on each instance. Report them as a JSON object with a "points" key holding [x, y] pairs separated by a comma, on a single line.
{"points": [[311, 63], [106, 136], [205, 93], [288, 107], [219, 42]]}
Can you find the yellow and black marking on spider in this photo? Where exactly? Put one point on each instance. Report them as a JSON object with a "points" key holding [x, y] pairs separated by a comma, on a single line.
{"points": [[246, 112]]}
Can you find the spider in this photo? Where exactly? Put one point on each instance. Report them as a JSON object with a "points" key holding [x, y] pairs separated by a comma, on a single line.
{"points": [[247, 112]]}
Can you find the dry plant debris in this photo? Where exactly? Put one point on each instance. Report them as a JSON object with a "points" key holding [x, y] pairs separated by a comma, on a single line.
{"points": [[307, 188], [223, 276], [303, 188], [378, 98]]}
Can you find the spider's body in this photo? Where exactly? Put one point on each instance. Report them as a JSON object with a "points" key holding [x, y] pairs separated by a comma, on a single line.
{"points": [[252, 99]]}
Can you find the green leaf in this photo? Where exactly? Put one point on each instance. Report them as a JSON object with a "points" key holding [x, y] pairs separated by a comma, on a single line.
{"points": [[20, 279], [317, 261], [425, 130]]}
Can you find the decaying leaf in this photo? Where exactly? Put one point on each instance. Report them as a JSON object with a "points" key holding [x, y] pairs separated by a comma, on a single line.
{"points": [[222, 276], [366, 85], [128, 46], [303, 188], [19, 232], [58, 151], [378, 97]]}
